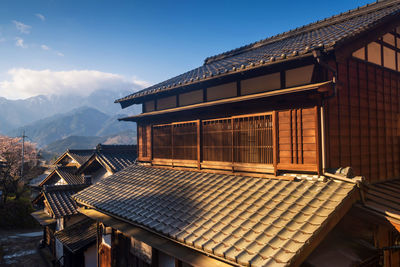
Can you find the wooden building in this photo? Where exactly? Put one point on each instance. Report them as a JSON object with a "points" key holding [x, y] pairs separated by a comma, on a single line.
{"points": [[59, 213], [107, 160], [70, 236], [243, 160]]}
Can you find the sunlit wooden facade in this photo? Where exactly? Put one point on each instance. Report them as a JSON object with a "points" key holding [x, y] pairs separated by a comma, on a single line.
{"points": [[351, 121], [304, 103]]}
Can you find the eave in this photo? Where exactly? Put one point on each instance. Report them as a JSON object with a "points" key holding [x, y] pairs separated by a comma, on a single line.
{"points": [[153, 239], [322, 87], [253, 69]]}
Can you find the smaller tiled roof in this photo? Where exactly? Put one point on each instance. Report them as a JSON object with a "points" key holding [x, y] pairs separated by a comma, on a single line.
{"points": [[42, 218], [245, 220], [80, 155], [59, 198], [384, 198], [116, 157], [38, 180], [79, 235], [112, 157], [68, 174]]}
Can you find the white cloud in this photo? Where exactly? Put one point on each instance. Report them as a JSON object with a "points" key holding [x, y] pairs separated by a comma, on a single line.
{"points": [[20, 42], [25, 83], [22, 28], [40, 16], [45, 47], [59, 54]]}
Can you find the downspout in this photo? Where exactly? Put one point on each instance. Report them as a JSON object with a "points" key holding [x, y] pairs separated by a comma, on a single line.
{"points": [[317, 55], [359, 181]]}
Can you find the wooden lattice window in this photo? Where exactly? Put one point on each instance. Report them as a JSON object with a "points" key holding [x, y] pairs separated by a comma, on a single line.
{"points": [[143, 135], [253, 140], [185, 140], [242, 139], [162, 141], [217, 140], [175, 141]]}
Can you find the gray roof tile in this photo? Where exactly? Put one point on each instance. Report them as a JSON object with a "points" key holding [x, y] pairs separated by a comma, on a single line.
{"points": [[79, 235], [268, 222], [59, 198]]}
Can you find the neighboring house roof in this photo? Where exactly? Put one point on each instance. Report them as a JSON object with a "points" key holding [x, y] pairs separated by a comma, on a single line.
{"points": [[69, 176], [38, 180], [42, 218], [59, 198], [66, 173], [243, 220], [384, 198], [113, 157], [327, 34], [79, 235], [79, 155]]}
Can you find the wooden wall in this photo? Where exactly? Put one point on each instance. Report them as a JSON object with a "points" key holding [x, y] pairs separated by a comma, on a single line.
{"points": [[289, 143], [298, 138], [362, 121]]}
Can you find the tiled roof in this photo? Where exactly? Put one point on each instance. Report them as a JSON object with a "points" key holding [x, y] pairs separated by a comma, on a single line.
{"points": [[68, 174], [80, 155], [327, 34], [384, 197], [117, 157], [59, 198], [245, 220], [78, 235], [38, 180]]}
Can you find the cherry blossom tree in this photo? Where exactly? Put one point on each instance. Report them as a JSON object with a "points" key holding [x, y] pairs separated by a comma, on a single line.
{"points": [[12, 180]]}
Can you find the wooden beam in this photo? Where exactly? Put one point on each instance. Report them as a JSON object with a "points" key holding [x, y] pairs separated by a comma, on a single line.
{"points": [[275, 142]]}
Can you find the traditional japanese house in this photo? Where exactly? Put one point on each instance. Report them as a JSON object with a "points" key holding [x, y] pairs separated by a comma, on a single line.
{"points": [[79, 242], [60, 213], [64, 169], [106, 160], [242, 161], [74, 157], [63, 176]]}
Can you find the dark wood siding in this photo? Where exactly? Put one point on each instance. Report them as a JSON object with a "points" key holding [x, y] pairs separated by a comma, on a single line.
{"points": [[362, 121]]}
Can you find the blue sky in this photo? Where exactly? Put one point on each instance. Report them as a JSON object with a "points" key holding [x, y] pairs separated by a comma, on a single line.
{"points": [[50, 46]]}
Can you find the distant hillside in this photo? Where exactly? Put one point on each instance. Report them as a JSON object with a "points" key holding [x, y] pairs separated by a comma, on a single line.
{"points": [[16, 113], [86, 142], [83, 121]]}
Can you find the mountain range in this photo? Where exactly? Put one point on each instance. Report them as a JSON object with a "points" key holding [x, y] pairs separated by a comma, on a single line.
{"points": [[84, 121], [18, 113], [58, 147], [56, 123]]}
